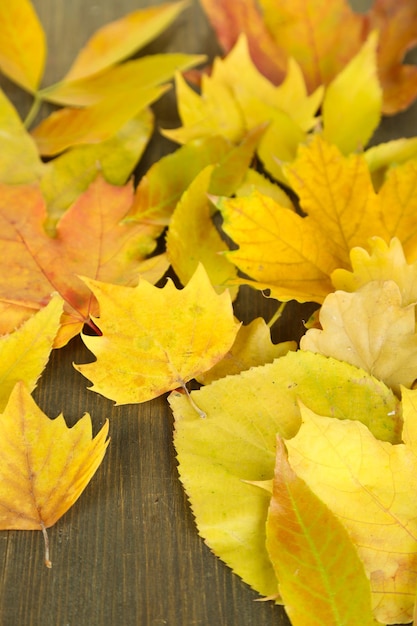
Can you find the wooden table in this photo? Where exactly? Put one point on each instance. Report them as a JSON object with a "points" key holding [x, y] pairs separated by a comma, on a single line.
{"points": [[128, 552]]}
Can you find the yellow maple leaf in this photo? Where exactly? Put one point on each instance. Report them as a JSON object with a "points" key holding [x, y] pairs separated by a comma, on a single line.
{"points": [[369, 328], [368, 484], [155, 340], [295, 256], [44, 465]]}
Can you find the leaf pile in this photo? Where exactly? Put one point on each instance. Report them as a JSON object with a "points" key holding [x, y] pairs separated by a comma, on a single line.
{"points": [[289, 453]]}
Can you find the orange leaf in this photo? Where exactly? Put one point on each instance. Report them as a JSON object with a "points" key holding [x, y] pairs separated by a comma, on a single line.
{"points": [[155, 340], [71, 126], [323, 36], [90, 240], [397, 22], [44, 465], [229, 19], [119, 39], [22, 44]]}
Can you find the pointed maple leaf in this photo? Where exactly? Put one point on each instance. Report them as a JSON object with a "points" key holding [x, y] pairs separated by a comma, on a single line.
{"points": [[155, 340], [317, 565], [90, 240], [44, 466], [25, 352], [295, 256], [322, 37], [367, 484]]}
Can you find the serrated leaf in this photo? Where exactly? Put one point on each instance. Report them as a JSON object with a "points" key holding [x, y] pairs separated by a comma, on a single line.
{"points": [[317, 565], [155, 340], [367, 484], [22, 44], [44, 465], [36, 265], [236, 443]]}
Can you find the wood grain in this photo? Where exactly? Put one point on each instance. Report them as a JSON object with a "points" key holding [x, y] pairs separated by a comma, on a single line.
{"points": [[128, 552]]}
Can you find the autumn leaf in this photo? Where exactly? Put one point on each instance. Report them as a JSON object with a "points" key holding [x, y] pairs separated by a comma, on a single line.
{"points": [[397, 25], [371, 329], [294, 256], [146, 72], [354, 95], [383, 262], [37, 265], [19, 160], [22, 44], [252, 347], [156, 339], [367, 483], [25, 352], [243, 16], [68, 175], [44, 465], [161, 188], [118, 40], [192, 237], [322, 37], [74, 126], [221, 456], [317, 566]]}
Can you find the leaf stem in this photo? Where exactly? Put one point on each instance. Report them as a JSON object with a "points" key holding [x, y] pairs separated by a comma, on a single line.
{"points": [[33, 111], [48, 563], [201, 413], [277, 314]]}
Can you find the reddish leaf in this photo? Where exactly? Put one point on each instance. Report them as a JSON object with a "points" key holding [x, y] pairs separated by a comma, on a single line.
{"points": [[90, 240]]}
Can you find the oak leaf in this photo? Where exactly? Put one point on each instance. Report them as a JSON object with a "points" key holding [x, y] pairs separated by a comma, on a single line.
{"points": [[383, 262], [44, 465], [371, 329], [367, 484], [156, 339], [90, 240], [25, 352], [221, 456], [317, 566]]}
